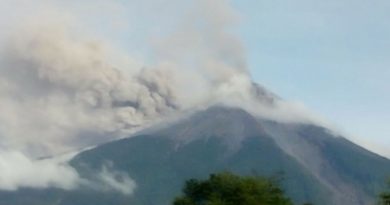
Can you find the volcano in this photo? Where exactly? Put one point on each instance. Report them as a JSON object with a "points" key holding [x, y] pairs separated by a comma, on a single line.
{"points": [[315, 165]]}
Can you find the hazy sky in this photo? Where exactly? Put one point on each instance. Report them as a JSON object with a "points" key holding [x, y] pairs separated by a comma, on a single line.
{"points": [[332, 55]]}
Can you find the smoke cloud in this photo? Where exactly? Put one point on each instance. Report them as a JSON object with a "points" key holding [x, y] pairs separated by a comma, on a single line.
{"points": [[56, 88], [63, 89]]}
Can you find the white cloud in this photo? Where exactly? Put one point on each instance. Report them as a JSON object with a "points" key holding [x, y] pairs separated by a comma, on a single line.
{"points": [[117, 181], [17, 171]]}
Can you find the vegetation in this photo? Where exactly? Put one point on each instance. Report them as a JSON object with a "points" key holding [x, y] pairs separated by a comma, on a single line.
{"points": [[229, 189], [385, 196]]}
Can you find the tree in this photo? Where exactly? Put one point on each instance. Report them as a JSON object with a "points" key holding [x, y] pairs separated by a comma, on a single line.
{"points": [[385, 196], [230, 189]]}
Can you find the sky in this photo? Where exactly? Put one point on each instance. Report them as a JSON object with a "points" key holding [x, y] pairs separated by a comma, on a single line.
{"points": [[331, 55]]}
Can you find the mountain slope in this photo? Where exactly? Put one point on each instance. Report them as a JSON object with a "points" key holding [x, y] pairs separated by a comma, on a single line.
{"points": [[353, 173], [161, 171]]}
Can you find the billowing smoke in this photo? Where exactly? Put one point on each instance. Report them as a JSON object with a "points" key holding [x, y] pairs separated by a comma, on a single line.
{"points": [[57, 89], [62, 89]]}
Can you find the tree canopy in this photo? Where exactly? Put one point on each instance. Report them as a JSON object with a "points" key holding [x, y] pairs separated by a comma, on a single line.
{"points": [[230, 189]]}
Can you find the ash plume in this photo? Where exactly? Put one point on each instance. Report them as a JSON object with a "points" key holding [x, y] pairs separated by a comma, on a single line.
{"points": [[62, 89]]}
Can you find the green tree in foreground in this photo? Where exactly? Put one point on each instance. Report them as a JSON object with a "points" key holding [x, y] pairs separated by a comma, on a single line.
{"points": [[229, 189], [385, 197]]}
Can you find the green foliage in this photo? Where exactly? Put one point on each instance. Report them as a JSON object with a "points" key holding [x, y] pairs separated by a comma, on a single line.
{"points": [[229, 189], [384, 198]]}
